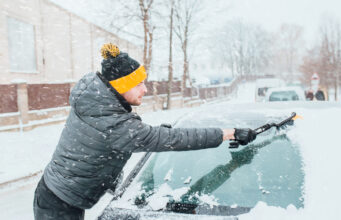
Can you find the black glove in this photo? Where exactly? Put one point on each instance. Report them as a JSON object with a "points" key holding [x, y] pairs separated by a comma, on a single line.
{"points": [[244, 135]]}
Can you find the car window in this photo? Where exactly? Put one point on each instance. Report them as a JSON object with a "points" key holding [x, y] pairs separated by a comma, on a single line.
{"points": [[269, 170], [262, 91], [283, 96]]}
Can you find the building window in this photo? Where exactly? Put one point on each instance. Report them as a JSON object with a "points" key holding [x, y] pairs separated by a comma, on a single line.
{"points": [[21, 41]]}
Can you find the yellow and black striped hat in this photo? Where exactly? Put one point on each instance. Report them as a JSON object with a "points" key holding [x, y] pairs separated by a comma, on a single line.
{"points": [[122, 72]]}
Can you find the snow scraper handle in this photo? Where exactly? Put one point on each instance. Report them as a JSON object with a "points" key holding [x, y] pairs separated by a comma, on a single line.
{"points": [[282, 124]]}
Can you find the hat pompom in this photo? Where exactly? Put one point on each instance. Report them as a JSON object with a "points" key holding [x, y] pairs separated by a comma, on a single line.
{"points": [[108, 50]]}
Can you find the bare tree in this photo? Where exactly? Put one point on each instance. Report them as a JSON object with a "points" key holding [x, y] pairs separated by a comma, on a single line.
{"points": [[148, 27], [288, 47], [330, 47], [325, 57], [185, 14], [127, 15], [244, 47], [310, 65], [170, 63]]}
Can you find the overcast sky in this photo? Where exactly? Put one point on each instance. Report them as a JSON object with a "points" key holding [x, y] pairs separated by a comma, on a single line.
{"points": [[269, 14], [272, 13]]}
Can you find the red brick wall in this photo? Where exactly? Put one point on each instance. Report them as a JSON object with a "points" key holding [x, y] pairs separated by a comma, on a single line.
{"points": [[8, 98], [162, 87], [208, 93], [41, 96]]}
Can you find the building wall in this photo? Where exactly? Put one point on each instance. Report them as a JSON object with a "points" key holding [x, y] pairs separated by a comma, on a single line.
{"points": [[24, 11], [81, 47], [57, 43], [66, 46], [62, 48]]}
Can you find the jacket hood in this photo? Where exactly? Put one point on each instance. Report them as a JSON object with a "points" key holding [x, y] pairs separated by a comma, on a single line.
{"points": [[93, 96]]}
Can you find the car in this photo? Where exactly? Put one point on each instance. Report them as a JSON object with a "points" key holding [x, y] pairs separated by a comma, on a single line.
{"points": [[262, 86], [289, 93], [218, 183]]}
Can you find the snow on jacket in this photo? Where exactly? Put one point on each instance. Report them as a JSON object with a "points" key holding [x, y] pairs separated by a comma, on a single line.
{"points": [[99, 137]]}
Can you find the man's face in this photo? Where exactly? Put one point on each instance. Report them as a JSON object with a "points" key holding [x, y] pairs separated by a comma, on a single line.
{"points": [[134, 96]]}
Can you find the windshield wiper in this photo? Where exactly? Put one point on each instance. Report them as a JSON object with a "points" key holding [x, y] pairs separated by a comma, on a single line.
{"points": [[181, 207], [187, 208]]}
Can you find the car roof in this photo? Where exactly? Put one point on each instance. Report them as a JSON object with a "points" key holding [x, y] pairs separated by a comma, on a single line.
{"points": [[286, 88], [269, 82]]}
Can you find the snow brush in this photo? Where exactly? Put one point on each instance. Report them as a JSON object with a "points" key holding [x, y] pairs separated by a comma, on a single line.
{"points": [[281, 125]]}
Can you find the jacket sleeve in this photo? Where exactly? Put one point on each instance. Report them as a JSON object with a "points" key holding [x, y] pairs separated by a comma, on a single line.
{"points": [[136, 136]]}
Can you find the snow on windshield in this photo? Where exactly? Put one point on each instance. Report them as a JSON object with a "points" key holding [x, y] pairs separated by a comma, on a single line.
{"points": [[317, 135], [222, 176]]}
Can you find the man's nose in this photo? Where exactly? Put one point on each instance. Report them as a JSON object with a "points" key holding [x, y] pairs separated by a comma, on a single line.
{"points": [[145, 88]]}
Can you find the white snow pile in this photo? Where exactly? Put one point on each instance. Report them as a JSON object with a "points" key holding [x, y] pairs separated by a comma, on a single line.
{"points": [[159, 200], [168, 176], [26, 153]]}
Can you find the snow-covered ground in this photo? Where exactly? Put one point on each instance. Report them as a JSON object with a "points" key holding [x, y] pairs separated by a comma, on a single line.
{"points": [[317, 135]]}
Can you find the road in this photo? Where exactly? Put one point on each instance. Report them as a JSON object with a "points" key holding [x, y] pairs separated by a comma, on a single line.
{"points": [[16, 202]]}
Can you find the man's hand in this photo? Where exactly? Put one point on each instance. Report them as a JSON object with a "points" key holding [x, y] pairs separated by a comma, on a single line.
{"points": [[228, 134], [244, 135]]}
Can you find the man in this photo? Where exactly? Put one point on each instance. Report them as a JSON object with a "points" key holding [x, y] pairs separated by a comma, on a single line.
{"points": [[102, 132]]}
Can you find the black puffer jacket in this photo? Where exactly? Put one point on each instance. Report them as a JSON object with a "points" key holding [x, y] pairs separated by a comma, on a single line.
{"points": [[100, 134]]}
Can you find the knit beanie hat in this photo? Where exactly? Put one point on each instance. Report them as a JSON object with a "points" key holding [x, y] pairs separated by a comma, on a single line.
{"points": [[122, 72]]}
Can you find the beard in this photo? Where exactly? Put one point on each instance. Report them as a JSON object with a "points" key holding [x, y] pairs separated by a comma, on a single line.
{"points": [[137, 102]]}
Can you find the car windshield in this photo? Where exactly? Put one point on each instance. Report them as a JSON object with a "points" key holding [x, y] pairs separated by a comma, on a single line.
{"points": [[267, 170], [283, 96]]}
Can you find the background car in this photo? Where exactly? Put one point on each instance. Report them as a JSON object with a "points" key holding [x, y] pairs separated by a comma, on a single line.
{"points": [[214, 183], [291, 93], [262, 86]]}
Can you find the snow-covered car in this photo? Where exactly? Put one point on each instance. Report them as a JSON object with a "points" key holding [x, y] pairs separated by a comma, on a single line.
{"points": [[289, 93], [218, 183], [262, 86]]}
